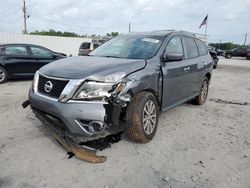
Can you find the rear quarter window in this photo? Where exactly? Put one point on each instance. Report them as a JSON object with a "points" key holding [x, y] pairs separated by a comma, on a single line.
{"points": [[191, 50], [201, 47]]}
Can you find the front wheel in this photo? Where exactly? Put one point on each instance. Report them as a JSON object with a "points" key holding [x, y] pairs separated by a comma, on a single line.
{"points": [[201, 98], [3, 75], [142, 117]]}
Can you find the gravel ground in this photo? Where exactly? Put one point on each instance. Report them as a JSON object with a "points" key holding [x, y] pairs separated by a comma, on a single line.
{"points": [[195, 146]]}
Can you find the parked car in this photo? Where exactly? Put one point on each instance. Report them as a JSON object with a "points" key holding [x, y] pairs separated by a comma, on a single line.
{"points": [[131, 77], [238, 52], [87, 47], [23, 60], [213, 54], [220, 52]]}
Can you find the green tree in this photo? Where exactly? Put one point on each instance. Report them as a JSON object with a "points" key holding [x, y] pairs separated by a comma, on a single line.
{"points": [[112, 34], [52, 32], [224, 46]]}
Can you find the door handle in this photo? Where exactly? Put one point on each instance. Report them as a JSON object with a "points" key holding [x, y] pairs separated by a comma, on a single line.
{"points": [[186, 69]]}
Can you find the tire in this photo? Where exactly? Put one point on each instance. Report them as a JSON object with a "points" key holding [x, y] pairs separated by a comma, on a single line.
{"points": [[140, 127], [201, 98], [215, 65], [3, 75], [228, 56], [248, 56]]}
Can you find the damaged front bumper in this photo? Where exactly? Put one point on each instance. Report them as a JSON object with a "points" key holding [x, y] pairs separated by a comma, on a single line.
{"points": [[67, 140], [84, 118]]}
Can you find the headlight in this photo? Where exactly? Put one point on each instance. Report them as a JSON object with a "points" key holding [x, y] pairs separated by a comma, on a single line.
{"points": [[96, 90]]}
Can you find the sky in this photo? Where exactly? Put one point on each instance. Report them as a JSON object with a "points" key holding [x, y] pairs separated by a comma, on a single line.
{"points": [[228, 20]]}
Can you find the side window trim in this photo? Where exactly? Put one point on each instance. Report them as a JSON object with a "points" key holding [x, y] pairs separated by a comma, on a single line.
{"points": [[185, 55], [44, 49], [172, 37], [9, 46], [195, 40]]}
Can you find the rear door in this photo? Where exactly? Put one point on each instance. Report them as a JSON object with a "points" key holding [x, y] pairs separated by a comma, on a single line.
{"points": [[243, 52], [41, 56], [204, 61], [17, 60], [194, 64], [174, 80]]}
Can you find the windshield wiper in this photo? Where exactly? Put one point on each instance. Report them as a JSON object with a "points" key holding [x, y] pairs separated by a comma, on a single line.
{"points": [[110, 56]]}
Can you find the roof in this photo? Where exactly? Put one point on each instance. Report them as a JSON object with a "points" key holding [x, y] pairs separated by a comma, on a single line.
{"points": [[162, 33], [6, 44]]}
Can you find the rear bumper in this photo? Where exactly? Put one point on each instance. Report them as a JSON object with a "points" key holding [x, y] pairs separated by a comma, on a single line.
{"points": [[75, 116]]}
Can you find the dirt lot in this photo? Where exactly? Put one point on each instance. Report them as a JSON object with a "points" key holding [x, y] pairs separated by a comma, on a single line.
{"points": [[195, 146]]}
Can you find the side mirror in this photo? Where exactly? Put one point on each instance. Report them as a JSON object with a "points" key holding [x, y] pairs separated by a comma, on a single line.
{"points": [[172, 57]]}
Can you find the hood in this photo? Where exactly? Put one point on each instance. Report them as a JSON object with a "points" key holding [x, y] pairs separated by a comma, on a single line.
{"points": [[92, 68]]}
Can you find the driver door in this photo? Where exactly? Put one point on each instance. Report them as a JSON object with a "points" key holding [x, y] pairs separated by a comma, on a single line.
{"points": [[174, 81]]}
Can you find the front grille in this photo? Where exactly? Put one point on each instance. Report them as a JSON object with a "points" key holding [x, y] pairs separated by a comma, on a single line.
{"points": [[57, 88]]}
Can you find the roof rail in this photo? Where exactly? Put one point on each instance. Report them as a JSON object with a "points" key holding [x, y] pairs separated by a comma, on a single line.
{"points": [[164, 30], [187, 32]]}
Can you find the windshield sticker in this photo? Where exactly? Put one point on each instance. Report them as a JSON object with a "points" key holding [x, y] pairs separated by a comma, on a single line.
{"points": [[150, 40]]}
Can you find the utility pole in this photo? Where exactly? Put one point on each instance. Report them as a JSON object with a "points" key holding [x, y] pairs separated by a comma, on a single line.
{"points": [[129, 27], [24, 17], [245, 39]]}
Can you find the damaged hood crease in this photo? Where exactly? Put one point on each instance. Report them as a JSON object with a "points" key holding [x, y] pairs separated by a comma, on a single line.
{"points": [[93, 68]]}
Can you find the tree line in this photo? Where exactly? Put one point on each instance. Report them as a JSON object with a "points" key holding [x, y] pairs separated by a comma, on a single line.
{"points": [[52, 32], [224, 46]]}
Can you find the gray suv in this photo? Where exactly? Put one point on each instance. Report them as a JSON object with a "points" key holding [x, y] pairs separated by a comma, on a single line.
{"points": [[131, 77]]}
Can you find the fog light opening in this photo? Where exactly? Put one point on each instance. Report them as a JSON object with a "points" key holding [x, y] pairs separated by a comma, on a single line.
{"points": [[96, 126]]}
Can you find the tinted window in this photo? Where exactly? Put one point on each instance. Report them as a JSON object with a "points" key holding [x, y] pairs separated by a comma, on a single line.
{"points": [[96, 45], [16, 50], [130, 47], [201, 47], [1, 51], [85, 45], [174, 46], [40, 52], [191, 50]]}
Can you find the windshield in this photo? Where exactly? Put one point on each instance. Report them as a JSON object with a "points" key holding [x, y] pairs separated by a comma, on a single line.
{"points": [[131, 47]]}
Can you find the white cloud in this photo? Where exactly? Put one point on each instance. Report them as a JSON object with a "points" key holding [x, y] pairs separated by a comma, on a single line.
{"points": [[228, 19]]}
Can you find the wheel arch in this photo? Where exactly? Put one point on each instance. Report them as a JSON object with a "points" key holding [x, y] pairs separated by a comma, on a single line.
{"points": [[208, 75]]}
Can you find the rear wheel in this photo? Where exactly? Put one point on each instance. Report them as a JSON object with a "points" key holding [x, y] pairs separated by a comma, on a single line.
{"points": [[228, 56], [142, 117], [201, 98], [3, 75]]}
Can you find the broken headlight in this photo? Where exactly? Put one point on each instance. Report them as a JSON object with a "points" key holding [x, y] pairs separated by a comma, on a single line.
{"points": [[97, 90]]}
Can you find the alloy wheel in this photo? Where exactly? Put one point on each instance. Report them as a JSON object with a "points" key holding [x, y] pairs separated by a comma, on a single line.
{"points": [[2, 75], [149, 117], [204, 91]]}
